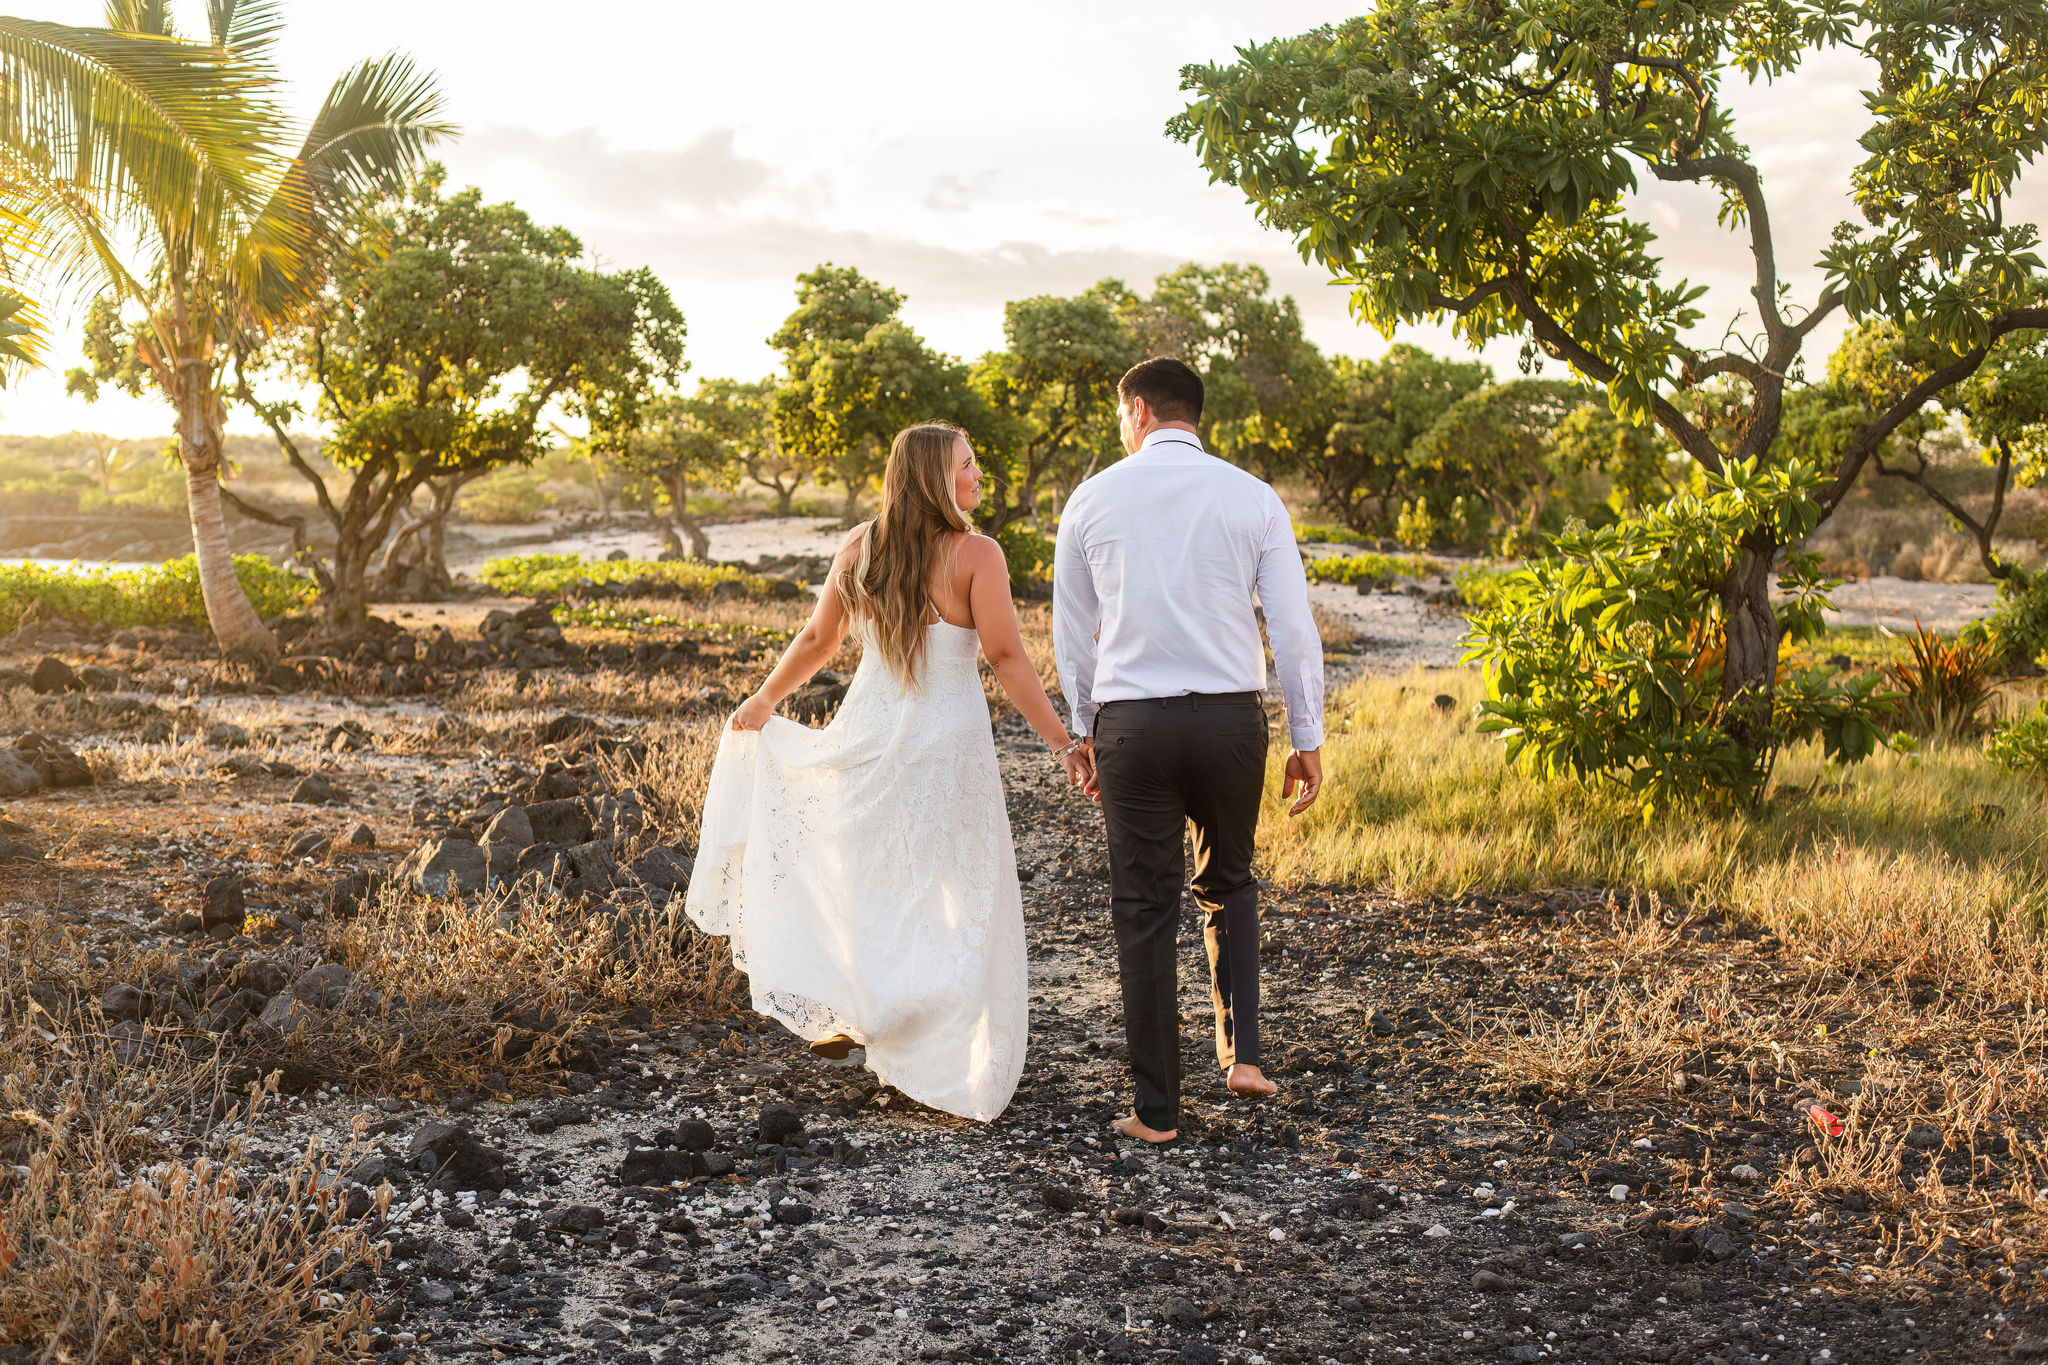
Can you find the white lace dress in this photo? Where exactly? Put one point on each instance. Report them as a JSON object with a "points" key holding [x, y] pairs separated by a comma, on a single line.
{"points": [[866, 876]]}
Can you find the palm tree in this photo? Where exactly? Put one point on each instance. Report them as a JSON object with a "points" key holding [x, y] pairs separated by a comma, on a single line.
{"points": [[95, 123], [209, 290]]}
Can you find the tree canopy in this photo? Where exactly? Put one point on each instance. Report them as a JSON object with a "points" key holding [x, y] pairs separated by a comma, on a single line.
{"points": [[1471, 163], [444, 346]]}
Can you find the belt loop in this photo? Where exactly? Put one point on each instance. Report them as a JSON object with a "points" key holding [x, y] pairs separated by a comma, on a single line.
{"points": [[1194, 701]]}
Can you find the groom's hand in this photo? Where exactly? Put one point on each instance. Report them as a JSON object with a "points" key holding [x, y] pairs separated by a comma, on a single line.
{"points": [[1304, 770], [1080, 766]]}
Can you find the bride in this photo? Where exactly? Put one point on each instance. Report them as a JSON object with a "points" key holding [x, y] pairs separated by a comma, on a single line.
{"points": [[864, 871]]}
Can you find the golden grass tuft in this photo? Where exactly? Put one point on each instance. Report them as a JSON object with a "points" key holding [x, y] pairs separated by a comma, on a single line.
{"points": [[122, 1237], [1928, 865]]}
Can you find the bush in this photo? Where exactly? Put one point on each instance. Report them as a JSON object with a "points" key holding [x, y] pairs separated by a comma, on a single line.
{"points": [[1325, 535], [2018, 629], [160, 595], [1945, 686], [1479, 585], [508, 497], [2022, 747], [535, 575], [1605, 663], [1366, 568], [1029, 554]]}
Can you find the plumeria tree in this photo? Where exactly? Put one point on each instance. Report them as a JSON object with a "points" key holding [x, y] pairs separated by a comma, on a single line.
{"points": [[1472, 164]]}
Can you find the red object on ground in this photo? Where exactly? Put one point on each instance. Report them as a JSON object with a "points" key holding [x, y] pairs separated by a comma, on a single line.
{"points": [[1829, 1124]]}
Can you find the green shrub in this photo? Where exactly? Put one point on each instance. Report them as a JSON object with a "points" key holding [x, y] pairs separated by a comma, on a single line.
{"points": [[1325, 535], [2018, 629], [1604, 664], [534, 575], [1479, 585], [2022, 747], [160, 595], [1416, 526], [508, 497], [1349, 569], [1028, 552]]}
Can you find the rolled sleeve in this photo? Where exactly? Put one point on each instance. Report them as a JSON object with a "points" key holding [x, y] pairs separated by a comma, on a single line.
{"points": [[1291, 629], [1076, 621]]}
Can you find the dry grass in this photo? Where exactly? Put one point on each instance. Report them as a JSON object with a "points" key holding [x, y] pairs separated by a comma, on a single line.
{"points": [[122, 1238], [1904, 866]]}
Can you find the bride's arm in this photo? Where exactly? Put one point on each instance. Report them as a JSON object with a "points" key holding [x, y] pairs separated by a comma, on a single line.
{"points": [[810, 651], [995, 621]]}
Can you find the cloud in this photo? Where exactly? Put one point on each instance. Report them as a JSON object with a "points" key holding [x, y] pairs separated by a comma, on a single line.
{"points": [[708, 174], [952, 193]]}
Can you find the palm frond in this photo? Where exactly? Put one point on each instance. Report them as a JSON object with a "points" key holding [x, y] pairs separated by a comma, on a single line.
{"points": [[248, 27], [182, 128], [370, 136], [140, 16]]}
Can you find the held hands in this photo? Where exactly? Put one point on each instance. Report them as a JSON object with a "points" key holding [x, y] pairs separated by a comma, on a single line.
{"points": [[1080, 765], [755, 712], [1304, 770]]}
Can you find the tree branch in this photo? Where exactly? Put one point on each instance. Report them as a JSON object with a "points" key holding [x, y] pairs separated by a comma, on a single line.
{"points": [[1865, 442], [1561, 344], [1743, 176]]}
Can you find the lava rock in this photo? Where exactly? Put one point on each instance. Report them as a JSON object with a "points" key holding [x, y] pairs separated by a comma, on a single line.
{"points": [[462, 1161], [362, 836], [794, 1215], [441, 867], [121, 1001], [510, 826], [779, 1122], [221, 905], [323, 985], [656, 1166], [52, 674], [315, 789], [18, 776], [576, 1219], [1489, 1281], [310, 844], [565, 821], [1060, 1198], [693, 1135], [663, 868]]}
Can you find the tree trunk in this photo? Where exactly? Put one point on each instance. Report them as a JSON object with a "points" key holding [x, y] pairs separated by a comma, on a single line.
{"points": [[849, 516], [685, 524], [236, 627], [348, 602], [1749, 674], [783, 498]]}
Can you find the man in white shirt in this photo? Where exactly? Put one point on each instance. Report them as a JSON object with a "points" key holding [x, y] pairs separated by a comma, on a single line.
{"points": [[1157, 639]]}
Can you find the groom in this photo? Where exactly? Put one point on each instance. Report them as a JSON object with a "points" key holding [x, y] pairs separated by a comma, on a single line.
{"points": [[1157, 638]]}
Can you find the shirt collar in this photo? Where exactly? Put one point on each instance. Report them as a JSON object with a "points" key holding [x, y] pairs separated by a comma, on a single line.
{"points": [[1170, 441]]}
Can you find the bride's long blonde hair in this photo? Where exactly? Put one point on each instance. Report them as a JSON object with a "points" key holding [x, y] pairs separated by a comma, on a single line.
{"points": [[888, 585]]}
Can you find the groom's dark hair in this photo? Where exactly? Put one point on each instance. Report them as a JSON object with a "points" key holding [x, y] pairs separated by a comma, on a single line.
{"points": [[1168, 386]]}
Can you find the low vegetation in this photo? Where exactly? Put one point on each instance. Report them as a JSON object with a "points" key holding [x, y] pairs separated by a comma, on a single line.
{"points": [[155, 595], [1368, 568], [537, 574], [1929, 863]]}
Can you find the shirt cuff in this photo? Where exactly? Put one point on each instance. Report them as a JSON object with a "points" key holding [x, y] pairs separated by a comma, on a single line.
{"points": [[1084, 721], [1305, 737]]}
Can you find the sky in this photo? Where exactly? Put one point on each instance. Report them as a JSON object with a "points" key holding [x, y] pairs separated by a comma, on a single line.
{"points": [[965, 155]]}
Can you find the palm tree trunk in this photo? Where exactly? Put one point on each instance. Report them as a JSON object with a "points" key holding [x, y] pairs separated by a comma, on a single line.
{"points": [[236, 627]]}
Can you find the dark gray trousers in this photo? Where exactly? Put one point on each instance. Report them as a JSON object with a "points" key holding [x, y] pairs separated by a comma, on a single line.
{"points": [[1168, 767]]}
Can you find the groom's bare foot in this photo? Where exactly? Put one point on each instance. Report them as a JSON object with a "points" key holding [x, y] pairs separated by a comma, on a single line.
{"points": [[1251, 1083], [1132, 1127]]}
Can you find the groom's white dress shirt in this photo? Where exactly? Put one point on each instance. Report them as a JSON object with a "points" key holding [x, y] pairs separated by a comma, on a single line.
{"points": [[1158, 559]]}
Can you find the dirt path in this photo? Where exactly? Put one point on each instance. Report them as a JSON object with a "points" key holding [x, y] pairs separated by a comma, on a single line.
{"points": [[1400, 1204]]}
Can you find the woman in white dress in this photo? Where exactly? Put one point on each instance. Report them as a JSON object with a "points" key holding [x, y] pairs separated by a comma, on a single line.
{"points": [[864, 871]]}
